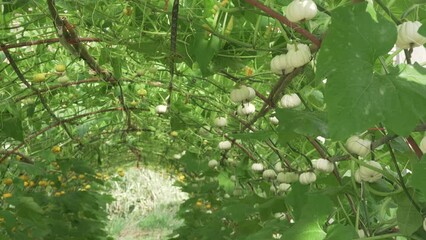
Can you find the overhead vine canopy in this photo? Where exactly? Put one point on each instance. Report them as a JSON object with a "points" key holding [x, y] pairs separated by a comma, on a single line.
{"points": [[312, 121]]}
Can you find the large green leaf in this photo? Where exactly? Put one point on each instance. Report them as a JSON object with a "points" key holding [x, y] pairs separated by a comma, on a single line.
{"points": [[305, 123], [353, 43], [204, 49], [407, 216], [339, 231]]}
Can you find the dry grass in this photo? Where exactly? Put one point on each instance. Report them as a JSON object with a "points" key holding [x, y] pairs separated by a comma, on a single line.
{"points": [[145, 206]]}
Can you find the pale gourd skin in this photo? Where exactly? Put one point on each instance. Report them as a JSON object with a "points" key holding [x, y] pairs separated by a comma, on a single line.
{"points": [[298, 55], [288, 177], [307, 178], [243, 94], [257, 167], [160, 109], [299, 10], [422, 145], [324, 165], [274, 120], [269, 174], [408, 36], [246, 109], [213, 163], [290, 100], [359, 146], [225, 145], [279, 167], [220, 122], [368, 175], [284, 187], [424, 224]]}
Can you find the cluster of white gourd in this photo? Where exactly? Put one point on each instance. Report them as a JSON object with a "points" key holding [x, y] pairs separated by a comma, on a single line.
{"points": [[290, 101], [408, 35], [242, 96], [298, 54], [358, 146], [367, 174], [299, 10]]}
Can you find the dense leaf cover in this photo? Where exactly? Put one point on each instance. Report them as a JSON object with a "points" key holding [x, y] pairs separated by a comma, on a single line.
{"points": [[64, 130]]}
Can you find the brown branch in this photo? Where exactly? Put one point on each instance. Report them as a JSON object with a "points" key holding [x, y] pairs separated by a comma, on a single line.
{"points": [[45, 41], [66, 30], [22, 156], [285, 21], [35, 90], [412, 143]]}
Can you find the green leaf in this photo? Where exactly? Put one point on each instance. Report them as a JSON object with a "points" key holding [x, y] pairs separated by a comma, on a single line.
{"points": [[339, 231], [418, 179], [11, 126], [225, 182], [116, 63], [293, 123], [192, 163], [407, 216], [347, 57], [204, 49]]}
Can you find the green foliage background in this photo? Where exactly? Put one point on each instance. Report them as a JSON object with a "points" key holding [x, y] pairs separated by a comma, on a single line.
{"points": [[101, 122]]}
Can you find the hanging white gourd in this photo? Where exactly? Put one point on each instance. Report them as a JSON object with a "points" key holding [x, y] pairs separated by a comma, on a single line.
{"points": [[358, 146], [269, 174], [298, 55], [369, 175], [220, 122], [288, 177], [213, 163], [160, 109], [307, 178], [408, 35], [257, 167], [225, 145], [274, 120], [246, 109], [299, 10], [290, 100], [324, 165]]}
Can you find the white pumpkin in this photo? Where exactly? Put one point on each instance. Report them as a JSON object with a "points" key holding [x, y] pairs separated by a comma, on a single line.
{"points": [[288, 177], [252, 94], [257, 167], [307, 178], [368, 175], [324, 165], [298, 55], [220, 122], [284, 187], [213, 163], [424, 224], [246, 109], [269, 174], [299, 10], [422, 145], [240, 94], [279, 167], [225, 145], [408, 36], [359, 146], [281, 63], [274, 120], [290, 100], [160, 109], [357, 176]]}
